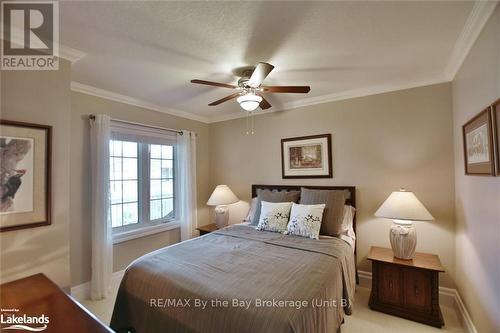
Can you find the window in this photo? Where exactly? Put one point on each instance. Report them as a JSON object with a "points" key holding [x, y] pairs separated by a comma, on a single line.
{"points": [[142, 180], [124, 180], [161, 177]]}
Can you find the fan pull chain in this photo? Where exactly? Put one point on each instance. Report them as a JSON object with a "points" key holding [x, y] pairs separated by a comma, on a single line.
{"points": [[247, 122], [252, 122]]}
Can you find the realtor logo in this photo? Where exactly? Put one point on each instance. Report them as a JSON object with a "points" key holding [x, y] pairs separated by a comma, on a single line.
{"points": [[30, 35], [12, 319]]}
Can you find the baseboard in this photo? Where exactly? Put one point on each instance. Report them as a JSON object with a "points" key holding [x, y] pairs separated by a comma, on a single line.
{"points": [[82, 291], [447, 297]]}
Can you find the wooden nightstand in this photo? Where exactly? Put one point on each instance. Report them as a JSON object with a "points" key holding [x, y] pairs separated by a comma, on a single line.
{"points": [[406, 288], [206, 229]]}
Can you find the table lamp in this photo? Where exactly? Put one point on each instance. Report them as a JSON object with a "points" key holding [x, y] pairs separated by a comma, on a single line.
{"points": [[403, 208], [220, 198]]}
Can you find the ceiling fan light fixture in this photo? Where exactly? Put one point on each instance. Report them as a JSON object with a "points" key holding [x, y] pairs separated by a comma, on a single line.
{"points": [[249, 102]]}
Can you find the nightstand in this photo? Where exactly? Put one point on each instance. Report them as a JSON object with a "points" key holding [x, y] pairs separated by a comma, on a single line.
{"points": [[406, 288], [206, 229]]}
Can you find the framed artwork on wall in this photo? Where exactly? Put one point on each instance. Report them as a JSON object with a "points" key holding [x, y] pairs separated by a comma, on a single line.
{"points": [[479, 157], [25, 175], [495, 110], [307, 157]]}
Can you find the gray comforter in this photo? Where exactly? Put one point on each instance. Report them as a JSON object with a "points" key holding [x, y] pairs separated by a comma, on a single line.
{"points": [[240, 280]]}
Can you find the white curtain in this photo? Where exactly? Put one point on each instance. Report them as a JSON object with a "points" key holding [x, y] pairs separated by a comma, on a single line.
{"points": [[102, 238], [186, 153]]}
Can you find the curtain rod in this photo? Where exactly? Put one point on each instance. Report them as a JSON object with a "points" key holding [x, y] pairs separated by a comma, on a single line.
{"points": [[139, 124]]}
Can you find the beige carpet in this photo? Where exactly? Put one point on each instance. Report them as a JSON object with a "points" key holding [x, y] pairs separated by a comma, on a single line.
{"points": [[362, 320]]}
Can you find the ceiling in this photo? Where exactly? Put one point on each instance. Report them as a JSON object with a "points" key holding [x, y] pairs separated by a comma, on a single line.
{"points": [[149, 51]]}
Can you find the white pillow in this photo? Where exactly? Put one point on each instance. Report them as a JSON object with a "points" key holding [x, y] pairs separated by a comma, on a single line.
{"points": [[274, 216], [348, 234], [305, 220], [252, 211], [348, 219]]}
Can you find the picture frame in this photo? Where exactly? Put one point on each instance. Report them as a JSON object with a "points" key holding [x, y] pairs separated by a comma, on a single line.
{"points": [[495, 112], [25, 175], [307, 157], [479, 155]]}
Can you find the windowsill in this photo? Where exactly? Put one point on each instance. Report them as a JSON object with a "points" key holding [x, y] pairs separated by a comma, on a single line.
{"points": [[125, 236]]}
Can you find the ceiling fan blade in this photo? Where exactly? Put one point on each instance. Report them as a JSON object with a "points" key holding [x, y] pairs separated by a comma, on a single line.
{"points": [[287, 89], [225, 99], [215, 84], [264, 104], [259, 74]]}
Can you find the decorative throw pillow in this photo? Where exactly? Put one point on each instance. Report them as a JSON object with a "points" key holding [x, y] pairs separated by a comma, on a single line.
{"points": [[273, 196], [334, 201], [305, 220], [274, 216]]}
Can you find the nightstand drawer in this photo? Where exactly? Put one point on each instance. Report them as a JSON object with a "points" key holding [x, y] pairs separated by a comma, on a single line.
{"points": [[389, 286], [417, 293]]}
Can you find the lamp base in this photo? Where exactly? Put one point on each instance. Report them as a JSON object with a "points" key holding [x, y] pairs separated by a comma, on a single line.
{"points": [[403, 240], [221, 216]]}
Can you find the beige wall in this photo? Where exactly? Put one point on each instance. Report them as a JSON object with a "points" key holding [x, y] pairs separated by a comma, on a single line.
{"points": [[380, 143], [41, 97], [81, 106], [476, 85]]}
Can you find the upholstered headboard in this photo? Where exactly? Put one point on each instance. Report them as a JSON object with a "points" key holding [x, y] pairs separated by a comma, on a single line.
{"points": [[351, 200]]}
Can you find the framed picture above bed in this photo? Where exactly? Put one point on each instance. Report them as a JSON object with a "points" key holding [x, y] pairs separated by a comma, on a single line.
{"points": [[25, 170], [307, 156], [479, 155]]}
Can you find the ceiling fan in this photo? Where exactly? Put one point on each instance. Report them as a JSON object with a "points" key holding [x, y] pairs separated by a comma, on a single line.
{"points": [[250, 89]]}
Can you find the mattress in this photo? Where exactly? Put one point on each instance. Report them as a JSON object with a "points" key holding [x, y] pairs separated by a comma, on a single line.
{"points": [[240, 280]]}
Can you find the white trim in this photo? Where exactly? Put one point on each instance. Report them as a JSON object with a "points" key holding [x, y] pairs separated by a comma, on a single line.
{"points": [[447, 296], [65, 52], [365, 279], [464, 314], [70, 54], [98, 92], [385, 88], [82, 291], [125, 236], [477, 19], [89, 90]]}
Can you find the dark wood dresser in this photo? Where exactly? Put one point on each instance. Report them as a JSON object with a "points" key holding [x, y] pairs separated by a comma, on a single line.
{"points": [[35, 296], [406, 288]]}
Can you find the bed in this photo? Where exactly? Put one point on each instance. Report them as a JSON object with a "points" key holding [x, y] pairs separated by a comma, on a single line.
{"points": [[239, 279]]}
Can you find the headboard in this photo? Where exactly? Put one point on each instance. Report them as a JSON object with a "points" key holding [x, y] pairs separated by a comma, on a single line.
{"points": [[351, 189], [351, 200]]}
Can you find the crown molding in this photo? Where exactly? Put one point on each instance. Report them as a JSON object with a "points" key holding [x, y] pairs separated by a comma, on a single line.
{"points": [[65, 52], [479, 15], [98, 92], [335, 97], [71, 54]]}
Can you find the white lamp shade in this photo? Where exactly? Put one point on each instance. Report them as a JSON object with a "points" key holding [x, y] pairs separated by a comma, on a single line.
{"points": [[403, 205], [222, 195]]}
